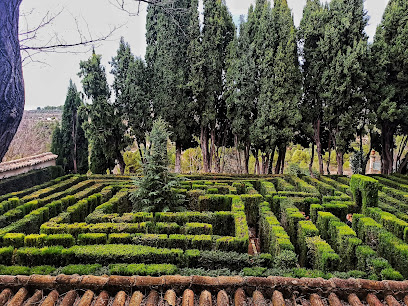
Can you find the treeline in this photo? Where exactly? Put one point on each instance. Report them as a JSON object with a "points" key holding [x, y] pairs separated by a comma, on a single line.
{"points": [[258, 87]]}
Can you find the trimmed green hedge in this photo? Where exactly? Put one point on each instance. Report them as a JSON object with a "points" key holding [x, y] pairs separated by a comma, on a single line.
{"points": [[29, 179], [323, 256], [365, 191]]}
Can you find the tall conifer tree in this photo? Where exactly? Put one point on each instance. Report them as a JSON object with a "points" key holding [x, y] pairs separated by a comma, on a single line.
{"points": [[103, 125]]}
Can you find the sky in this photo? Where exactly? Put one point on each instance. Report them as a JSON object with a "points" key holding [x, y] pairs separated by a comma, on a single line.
{"points": [[47, 75]]}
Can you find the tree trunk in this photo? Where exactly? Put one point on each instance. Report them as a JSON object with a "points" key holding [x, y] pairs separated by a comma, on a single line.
{"points": [[278, 162], [256, 171], [217, 161], [121, 162], [318, 142], [270, 166], [266, 164], [204, 148], [177, 166], [329, 150], [263, 156], [12, 83], [283, 159], [238, 154], [339, 158], [403, 165], [246, 153], [387, 146], [311, 162], [212, 150]]}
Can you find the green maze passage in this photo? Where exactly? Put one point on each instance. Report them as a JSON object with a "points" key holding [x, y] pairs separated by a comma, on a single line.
{"points": [[261, 226]]}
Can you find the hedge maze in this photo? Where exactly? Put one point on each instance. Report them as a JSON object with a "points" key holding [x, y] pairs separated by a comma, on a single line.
{"points": [[86, 225]]}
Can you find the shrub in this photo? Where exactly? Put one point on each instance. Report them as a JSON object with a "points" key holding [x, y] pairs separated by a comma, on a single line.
{"points": [[34, 240], [92, 238], [197, 229], [120, 238], [251, 202], [13, 239], [305, 229], [214, 202], [286, 259], [324, 257], [365, 191], [81, 269], [65, 240], [142, 269], [6, 255]]}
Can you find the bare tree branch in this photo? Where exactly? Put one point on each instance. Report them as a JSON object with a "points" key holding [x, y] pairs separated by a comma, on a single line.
{"points": [[166, 5], [30, 44]]}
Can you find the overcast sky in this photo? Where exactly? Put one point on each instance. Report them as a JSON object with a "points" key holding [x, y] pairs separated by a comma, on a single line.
{"points": [[47, 79]]}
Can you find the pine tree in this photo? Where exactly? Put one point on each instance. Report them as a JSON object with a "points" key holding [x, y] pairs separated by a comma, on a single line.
{"points": [[103, 125], [155, 189]]}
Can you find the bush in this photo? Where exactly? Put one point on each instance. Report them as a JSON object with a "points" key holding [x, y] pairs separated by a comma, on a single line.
{"points": [[214, 202], [81, 269], [286, 259], [365, 191], [13, 239], [92, 238], [143, 270], [197, 229], [305, 229], [65, 240], [6, 255], [324, 257], [27, 180], [251, 202]]}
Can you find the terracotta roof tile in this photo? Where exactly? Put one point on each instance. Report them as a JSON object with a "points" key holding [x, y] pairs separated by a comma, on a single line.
{"points": [[196, 291], [27, 161]]}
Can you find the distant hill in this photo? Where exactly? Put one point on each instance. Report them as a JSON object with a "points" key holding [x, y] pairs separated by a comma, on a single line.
{"points": [[34, 134]]}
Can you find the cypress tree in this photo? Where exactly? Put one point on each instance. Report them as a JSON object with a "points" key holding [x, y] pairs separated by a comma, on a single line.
{"points": [[166, 56], [389, 79], [72, 146], [103, 126]]}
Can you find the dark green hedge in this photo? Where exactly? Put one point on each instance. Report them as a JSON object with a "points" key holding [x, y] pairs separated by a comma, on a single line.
{"points": [[30, 179]]}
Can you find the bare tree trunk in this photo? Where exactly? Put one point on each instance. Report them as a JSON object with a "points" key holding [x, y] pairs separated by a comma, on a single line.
{"points": [[12, 83], [256, 171], [238, 154], [283, 159], [265, 164], [329, 150], [278, 162], [270, 166], [387, 144], [204, 148], [311, 162], [264, 159], [339, 158], [177, 166], [401, 149], [212, 150], [318, 142], [121, 162], [246, 156]]}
